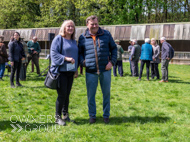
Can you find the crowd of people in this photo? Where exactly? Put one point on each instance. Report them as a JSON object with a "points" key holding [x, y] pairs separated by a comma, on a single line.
{"points": [[96, 51], [19, 56], [149, 54]]}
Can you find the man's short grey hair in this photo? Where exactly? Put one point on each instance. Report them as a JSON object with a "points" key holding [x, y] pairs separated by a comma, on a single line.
{"points": [[91, 18], [163, 38], [135, 41], [147, 40]]}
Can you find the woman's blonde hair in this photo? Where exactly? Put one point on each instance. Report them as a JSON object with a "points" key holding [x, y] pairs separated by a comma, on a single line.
{"points": [[154, 40], [62, 29]]}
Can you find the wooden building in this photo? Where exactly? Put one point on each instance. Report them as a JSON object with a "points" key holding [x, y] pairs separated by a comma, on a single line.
{"points": [[177, 34]]}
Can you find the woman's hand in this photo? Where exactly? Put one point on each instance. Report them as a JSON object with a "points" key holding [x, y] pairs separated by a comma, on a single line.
{"points": [[70, 60], [76, 74], [12, 63], [23, 58]]}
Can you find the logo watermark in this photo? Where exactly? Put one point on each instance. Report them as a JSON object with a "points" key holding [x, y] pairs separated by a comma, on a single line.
{"points": [[45, 123]]}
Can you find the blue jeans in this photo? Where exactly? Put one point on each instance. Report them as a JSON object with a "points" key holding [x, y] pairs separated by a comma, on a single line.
{"points": [[91, 85], [2, 69]]}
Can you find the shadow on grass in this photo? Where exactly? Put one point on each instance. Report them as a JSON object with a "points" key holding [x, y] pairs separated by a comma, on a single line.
{"points": [[173, 76], [124, 119], [34, 86], [35, 78], [178, 81]]}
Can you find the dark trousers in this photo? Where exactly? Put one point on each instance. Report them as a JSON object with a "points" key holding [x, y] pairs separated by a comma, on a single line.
{"points": [[164, 69], [35, 59], [15, 68], [134, 65], [154, 70], [130, 64], [147, 68], [23, 72], [120, 68], [65, 85], [81, 69]]}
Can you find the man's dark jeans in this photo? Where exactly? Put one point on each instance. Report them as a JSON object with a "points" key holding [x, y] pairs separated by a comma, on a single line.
{"points": [[120, 68], [35, 59], [147, 68]]}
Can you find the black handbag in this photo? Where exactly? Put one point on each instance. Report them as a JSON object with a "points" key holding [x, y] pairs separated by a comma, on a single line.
{"points": [[51, 81]]}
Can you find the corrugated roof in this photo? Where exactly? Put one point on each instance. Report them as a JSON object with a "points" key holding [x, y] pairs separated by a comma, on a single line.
{"points": [[7, 34], [172, 31]]}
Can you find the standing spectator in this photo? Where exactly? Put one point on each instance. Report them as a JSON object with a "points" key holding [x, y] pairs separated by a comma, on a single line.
{"points": [[66, 64], [24, 62], [119, 60], [167, 55], [3, 57], [33, 52], [16, 55], [129, 50], [154, 64], [146, 57], [135, 54], [98, 53]]}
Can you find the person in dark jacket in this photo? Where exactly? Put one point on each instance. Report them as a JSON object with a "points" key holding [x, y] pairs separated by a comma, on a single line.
{"points": [[16, 55], [167, 55], [3, 57], [65, 62], [135, 54], [98, 53], [34, 50], [146, 57], [154, 64], [119, 60]]}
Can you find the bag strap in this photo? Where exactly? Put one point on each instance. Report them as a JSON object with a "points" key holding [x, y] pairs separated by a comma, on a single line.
{"points": [[61, 48], [61, 44]]}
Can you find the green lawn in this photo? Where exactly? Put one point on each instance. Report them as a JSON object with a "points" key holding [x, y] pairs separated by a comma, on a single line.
{"points": [[140, 111]]}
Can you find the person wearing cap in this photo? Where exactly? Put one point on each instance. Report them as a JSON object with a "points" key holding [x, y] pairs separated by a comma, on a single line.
{"points": [[146, 57], [135, 54], [33, 52], [129, 50], [119, 60], [167, 55], [97, 53]]}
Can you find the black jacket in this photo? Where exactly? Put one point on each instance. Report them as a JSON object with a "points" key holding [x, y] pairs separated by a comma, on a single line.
{"points": [[16, 51]]}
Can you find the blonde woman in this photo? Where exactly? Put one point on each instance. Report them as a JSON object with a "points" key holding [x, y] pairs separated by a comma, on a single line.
{"points": [[154, 64], [66, 64]]}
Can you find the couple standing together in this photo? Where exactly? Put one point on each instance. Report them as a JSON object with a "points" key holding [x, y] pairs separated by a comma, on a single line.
{"points": [[97, 52]]}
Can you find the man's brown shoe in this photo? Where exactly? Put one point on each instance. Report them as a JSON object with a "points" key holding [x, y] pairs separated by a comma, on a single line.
{"points": [[106, 120], [92, 120], [166, 81], [161, 81]]}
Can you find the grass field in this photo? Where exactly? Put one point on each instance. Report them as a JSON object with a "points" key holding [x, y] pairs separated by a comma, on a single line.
{"points": [[140, 111]]}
